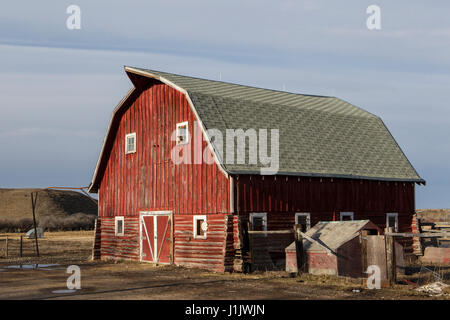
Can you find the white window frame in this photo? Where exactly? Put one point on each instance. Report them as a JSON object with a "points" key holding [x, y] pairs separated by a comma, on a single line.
{"points": [[259, 215], [308, 218], [347, 214], [116, 225], [182, 124], [126, 143], [392, 214], [196, 218]]}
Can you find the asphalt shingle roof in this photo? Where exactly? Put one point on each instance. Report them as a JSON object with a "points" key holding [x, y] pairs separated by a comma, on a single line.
{"points": [[318, 136], [333, 234]]}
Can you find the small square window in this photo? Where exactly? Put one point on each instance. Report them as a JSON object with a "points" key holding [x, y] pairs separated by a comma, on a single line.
{"points": [[120, 226], [304, 220], [182, 133], [346, 216], [392, 221], [130, 143], [200, 227], [258, 221]]}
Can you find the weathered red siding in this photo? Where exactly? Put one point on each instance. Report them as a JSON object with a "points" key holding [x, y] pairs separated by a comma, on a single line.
{"points": [[148, 179], [210, 253], [324, 199]]}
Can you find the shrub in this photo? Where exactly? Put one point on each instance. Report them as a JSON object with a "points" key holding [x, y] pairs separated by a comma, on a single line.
{"points": [[77, 221]]}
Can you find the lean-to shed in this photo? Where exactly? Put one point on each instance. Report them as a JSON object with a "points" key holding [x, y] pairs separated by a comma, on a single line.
{"points": [[336, 249]]}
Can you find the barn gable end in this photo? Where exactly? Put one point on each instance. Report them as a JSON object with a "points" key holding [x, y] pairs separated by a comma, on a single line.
{"points": [[334, 158]]}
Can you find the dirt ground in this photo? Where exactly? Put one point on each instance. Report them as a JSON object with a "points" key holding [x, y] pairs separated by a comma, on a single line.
{"points": [[134, 280]]}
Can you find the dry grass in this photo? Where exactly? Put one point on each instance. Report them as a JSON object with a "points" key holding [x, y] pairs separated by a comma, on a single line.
{"points": [[433, 215], [134, 280], [55, 247]]}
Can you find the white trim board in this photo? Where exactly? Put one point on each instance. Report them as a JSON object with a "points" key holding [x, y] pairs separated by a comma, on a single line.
{"points": [[346, 214], [308, 218]]}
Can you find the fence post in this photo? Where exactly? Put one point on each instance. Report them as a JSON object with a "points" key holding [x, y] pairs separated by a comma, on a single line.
{"points": [[299, 249], [21, 246], [6, 246], [363, 240], [33, 205], [250, 246], [391, 265]]}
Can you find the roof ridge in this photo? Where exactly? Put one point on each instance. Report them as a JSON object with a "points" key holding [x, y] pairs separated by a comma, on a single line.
{"points": [[232, 83], [365, 114]]}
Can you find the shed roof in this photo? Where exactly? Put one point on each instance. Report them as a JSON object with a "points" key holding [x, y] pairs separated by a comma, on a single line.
{"points": [[333, 234], [318, 135]]}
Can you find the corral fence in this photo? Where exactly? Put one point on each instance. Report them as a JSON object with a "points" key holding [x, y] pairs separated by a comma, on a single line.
{"points": [[17, 246], [267, 249]]}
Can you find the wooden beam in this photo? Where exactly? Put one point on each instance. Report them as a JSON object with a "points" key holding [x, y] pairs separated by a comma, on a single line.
{"points": [[271, 232], [33, 206], [299, 249], [420, 235]]}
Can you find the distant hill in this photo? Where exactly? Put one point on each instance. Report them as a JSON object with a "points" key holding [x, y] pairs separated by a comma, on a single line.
{"points": [[16, 203], [433, 215]]}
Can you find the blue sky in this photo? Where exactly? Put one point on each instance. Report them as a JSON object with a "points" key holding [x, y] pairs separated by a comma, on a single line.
{"points": [[58, 87]]}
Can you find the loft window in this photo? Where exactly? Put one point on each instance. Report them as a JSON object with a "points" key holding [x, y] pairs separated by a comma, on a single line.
{"points": [[120, 226], [304, 220], [258, 221], [130, 143], [392, 221], [182, 133], [346, 216], [200, 227]]}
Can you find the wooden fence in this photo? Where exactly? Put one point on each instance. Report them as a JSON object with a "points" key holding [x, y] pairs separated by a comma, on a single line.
{"points": [[267, 249], [17, 246]]}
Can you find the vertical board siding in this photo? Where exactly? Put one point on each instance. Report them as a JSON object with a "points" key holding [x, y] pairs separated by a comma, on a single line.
{"points": [[149, 179], [324, 199]]}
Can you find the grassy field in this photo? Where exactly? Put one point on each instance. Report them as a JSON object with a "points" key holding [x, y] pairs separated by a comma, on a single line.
{"points": [[134, 280]]}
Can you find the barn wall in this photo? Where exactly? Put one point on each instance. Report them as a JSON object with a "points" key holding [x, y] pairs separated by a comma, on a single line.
{"points": [[111, 246], [325, 198], [149, 179], [214, 253]]}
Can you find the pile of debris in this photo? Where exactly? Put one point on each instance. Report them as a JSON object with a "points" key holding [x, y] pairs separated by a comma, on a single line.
{"points": [[435, 289]]}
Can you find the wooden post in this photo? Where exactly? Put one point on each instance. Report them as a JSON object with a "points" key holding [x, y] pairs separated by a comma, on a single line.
{"points": [[6, 246], [391, 266], [33, 206], [299, 249], [250, 246], [21, 246], [363, 241]]}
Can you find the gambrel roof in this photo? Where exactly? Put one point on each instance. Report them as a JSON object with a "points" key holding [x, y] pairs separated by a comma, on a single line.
{"points": [[318, 135]]}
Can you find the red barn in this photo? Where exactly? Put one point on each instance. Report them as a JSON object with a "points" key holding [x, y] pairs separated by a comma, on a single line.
{"points": [[187, 164]]}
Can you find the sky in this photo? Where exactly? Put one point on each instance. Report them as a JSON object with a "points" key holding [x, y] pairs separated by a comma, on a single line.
{"points": [[58, 86]]}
